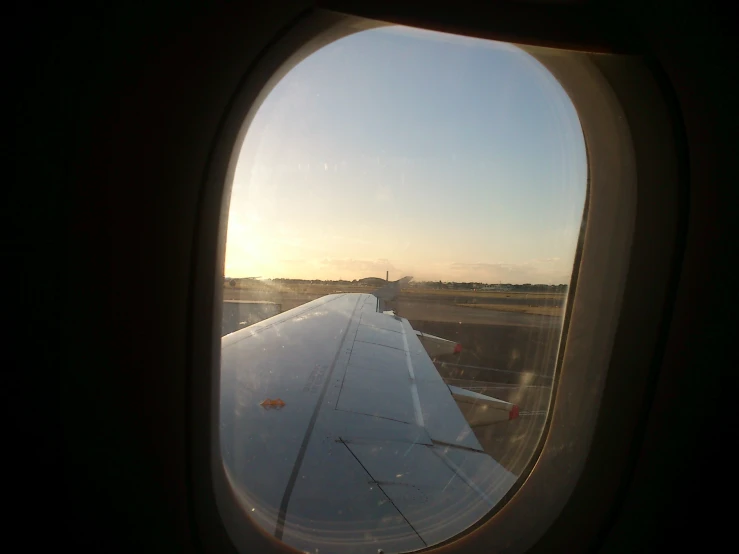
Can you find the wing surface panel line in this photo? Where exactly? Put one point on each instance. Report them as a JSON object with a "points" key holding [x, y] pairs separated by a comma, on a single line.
{"points": [[455, 446], [377, 344], [280, 528], [343, 378], [372, 415], [414, 388], [379, 486], [458, 471]]}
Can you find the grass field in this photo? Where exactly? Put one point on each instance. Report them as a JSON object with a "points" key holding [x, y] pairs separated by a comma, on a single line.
{"points": [[483, 294], [539, 310], [410, 292], [266, 286]]}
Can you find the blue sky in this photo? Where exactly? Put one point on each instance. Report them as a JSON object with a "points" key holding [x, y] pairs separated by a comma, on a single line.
{"points": [[424, 154]]}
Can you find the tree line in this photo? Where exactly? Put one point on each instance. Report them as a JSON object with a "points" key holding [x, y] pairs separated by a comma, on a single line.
{"points": [[439, 285]]}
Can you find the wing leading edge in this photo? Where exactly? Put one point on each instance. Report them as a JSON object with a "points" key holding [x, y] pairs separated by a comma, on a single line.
{"points": [[366, 448]]}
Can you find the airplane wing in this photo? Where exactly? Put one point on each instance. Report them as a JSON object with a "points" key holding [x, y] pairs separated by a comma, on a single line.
{"points": [[338, 433]]}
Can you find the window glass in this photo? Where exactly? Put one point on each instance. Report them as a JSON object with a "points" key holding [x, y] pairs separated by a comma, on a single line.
{"points": [[351, 420]]}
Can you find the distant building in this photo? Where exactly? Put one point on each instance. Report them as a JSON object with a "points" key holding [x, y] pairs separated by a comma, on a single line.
{"points": [[371, 281], [497, 288]]}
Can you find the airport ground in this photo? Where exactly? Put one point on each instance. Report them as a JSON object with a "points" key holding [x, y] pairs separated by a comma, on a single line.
{"points": [[509, 348]]}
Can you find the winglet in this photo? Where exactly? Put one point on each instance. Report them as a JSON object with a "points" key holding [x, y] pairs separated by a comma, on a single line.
{"points": [[391, 290]]}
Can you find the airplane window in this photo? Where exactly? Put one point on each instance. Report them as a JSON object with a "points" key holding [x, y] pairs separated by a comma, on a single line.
{"points": [[402, 229]]}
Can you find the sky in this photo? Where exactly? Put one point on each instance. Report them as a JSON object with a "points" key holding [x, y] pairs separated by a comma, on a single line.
{"points": [[413, 152]]}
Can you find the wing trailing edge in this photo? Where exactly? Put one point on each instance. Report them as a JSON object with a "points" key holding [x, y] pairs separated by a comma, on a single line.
{"points": [[479, 409], [437, 346]]}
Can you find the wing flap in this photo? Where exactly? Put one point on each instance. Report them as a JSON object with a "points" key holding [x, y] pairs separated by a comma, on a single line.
{"points": [[479, 409], [442, 418], [435, 496], [337, 497]]}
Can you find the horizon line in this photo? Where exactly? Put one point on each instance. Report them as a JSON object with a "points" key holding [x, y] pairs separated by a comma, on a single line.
{"points": [[229, 278]]}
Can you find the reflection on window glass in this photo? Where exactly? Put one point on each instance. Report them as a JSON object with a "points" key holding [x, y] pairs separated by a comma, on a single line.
{"points": [[401, 235]]}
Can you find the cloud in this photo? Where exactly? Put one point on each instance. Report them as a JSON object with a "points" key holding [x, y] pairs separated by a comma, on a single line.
{"points": [[507, 273], [358, 268]]}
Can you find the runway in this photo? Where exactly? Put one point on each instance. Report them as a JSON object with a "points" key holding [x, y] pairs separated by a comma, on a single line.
{"points": [[438, 308], [449, 312]]}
